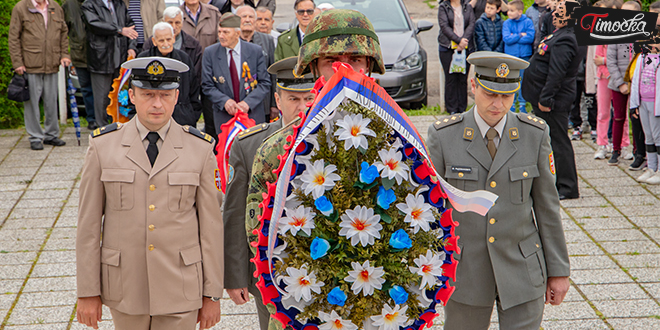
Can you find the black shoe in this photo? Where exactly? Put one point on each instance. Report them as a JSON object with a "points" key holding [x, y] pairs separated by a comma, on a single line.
{"points": [[564, 197], [55, 142], [92, 126], [36, 145], [614, 160], [638, 164]]}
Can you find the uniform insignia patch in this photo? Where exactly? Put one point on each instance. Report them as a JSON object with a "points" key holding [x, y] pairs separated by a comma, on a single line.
{"points": [[155, 68], [551, 159], [198, 133], [107, 129], [529, 119], [513, 133], [502, 70], [230, 174], [252, 130], [467, 169], [468, 133], [448, 121], [217, 179]]}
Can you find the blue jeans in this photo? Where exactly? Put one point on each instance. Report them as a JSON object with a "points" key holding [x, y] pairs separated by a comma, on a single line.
{"points": [[519, 97], [85, 81]]}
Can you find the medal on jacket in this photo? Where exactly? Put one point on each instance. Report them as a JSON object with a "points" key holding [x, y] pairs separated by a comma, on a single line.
{"points": [[250, 82], [542, 48]]}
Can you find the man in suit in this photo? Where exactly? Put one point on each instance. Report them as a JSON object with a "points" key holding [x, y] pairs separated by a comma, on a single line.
{"points": [[291, 97], [150, 215], [288, 43], [234, 76], [248, 17], [265, 23], [516, 253]]}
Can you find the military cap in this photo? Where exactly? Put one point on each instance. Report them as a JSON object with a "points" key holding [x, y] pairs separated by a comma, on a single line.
{"points": [[155, 72], [497, 72], [287, 79], [229, 20]]}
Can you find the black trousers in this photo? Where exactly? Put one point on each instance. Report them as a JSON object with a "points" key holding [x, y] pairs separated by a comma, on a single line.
{"points": [[455, 85], [567, 183], [589, 103], [207, 111], [638, 135]]}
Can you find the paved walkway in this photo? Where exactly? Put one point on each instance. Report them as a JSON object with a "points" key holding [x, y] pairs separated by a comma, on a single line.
{"points": [[613, 233]]}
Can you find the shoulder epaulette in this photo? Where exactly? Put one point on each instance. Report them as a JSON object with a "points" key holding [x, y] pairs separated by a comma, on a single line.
{"points": [[107, 129], [252, 130], [194, 131], [283, 128], [532, 120], [447, 121]]}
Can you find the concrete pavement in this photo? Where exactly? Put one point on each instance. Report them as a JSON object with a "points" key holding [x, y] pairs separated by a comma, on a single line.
{"points": [[613, 234]]}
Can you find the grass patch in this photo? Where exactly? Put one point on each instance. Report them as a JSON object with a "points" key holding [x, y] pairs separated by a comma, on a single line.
{"points": [[426, 111]]}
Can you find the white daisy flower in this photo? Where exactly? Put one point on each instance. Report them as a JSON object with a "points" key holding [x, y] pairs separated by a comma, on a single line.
{"points": [[365, 278], [353, 131], [300, 284], [391, 165], [301, 218], [318, 178], [391, 318], [334, 322], [361, 225], [418, 213], [428, 266]]}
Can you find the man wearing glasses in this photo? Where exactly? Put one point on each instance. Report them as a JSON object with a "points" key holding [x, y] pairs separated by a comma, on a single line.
{"points": [[288, 44]]}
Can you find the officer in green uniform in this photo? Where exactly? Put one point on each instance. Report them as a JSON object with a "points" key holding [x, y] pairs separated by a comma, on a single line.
{"points": [[292, 96], [318, 52], [516, 253]]}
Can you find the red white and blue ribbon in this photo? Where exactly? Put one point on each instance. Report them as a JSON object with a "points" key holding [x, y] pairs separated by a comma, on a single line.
{"points": [[229, 131]]}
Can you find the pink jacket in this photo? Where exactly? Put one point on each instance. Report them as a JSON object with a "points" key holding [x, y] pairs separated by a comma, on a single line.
{"points": [[602, 73]]}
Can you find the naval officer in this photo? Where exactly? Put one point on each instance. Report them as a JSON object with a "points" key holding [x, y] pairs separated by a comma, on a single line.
{"points": [[516, 254], [293, 94], [149, 238]]}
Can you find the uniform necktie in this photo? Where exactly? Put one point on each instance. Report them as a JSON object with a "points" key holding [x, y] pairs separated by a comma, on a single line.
{"points": [[152, 149], [491, 135], [234, 77]]}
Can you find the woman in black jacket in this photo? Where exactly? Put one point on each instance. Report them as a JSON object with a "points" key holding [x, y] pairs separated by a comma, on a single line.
{"points": [[455, 36]]}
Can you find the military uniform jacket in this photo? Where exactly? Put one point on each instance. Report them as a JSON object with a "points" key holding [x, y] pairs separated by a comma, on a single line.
{"points": [[520, 242], [149, 240], [287, 44], [239, 270]]}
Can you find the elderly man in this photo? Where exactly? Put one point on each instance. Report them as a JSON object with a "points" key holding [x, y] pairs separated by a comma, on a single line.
{"points": [[112, 33], [515, 256], [234, 75], [145, 14], [288, 44], [200, 21], [182, 40], [188, 106], [265, 23], [248, 33], [149, 242], [37, 46]]}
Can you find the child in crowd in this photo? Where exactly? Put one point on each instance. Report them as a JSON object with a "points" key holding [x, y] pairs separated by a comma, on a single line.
{"points": [[518, 34], [488, 28]]}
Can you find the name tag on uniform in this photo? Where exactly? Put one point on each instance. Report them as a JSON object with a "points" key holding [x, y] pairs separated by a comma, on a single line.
{"points": [[465, 169]]}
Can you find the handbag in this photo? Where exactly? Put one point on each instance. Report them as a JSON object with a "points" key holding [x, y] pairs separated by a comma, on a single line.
{"points": [[18, 89], [458, 62]]}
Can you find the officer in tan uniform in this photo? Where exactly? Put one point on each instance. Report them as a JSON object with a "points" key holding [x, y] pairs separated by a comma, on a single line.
{"points": [[291, 97], [149, 239], [516, 254]]}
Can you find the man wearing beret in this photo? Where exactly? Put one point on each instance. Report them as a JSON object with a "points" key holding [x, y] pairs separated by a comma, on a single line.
{"points": [[234, 76], [516, 254], [152, 252]]}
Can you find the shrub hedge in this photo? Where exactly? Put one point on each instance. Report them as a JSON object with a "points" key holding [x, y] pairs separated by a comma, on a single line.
{"points": [[11, 113]]}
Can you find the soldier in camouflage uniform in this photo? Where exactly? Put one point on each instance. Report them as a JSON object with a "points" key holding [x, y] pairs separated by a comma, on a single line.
{"points": [[325, 43], [292, 96]]}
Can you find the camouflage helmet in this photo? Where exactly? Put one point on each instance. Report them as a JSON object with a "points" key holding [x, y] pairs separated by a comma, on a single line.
{"points": [[340, 32]]}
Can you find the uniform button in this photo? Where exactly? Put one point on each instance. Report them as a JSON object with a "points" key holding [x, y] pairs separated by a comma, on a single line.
{"points": [[152, 187], [152, 227], [152, 207], [525, 174], [151, 247], [460, 174], [492, 221], [537, 245], [493, 184], [491, 239]]}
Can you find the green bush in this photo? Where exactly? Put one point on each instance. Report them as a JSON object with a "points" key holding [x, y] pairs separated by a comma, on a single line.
{"points": [[11, 113]]}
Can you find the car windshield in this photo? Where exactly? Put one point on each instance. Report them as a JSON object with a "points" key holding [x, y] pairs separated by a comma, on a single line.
{"points": [[385, 15]]}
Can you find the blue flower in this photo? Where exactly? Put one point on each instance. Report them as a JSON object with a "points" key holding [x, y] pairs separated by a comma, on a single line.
{"points": [[123, 97], [324, 206], [400, 240], [124, 111], [319, 248], [337, 297], [368, 173], [385, 197], [399, 295]]}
